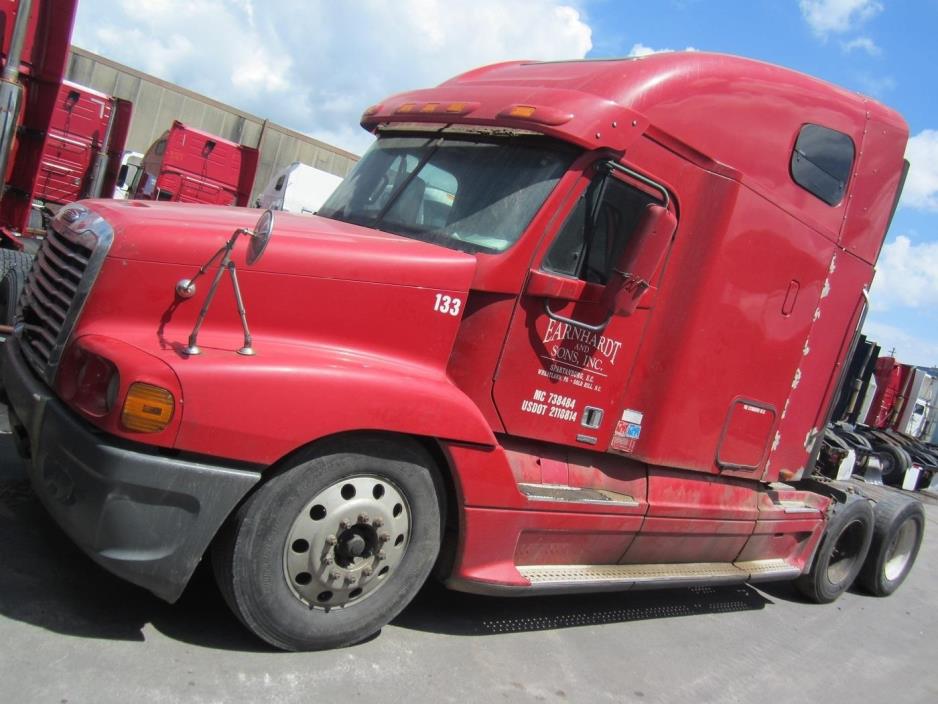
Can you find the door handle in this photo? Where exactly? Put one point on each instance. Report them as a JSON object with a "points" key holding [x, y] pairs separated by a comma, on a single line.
{"points": [[576, 323]]}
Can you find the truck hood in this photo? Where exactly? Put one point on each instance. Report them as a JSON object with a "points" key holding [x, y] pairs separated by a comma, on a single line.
{"points": [[304, 245]]}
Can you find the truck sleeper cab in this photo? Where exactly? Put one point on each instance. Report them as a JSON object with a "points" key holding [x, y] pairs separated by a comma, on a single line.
{"points": [[552, 333]]}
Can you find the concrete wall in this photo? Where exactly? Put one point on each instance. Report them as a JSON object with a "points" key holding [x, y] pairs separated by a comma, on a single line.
{"points": [[157, 103]]}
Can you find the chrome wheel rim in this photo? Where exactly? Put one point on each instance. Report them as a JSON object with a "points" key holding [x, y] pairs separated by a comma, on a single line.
{"points": [[900, 550], [346, 542]]}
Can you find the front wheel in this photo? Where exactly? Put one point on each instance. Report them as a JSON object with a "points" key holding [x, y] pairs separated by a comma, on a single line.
{"points": [[327, 552]]}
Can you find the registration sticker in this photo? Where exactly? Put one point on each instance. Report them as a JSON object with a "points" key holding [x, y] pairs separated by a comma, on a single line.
{"points": [[628, 431]]}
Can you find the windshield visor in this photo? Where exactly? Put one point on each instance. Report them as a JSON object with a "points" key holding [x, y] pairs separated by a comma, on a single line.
{"points": [[474, 195]]}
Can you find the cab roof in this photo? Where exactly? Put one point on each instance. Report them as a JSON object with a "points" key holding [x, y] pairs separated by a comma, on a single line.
{"points": [[735, 116]]}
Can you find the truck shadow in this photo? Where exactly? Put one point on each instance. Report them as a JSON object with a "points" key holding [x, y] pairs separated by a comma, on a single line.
{"points": [[48, 583], [439, 610]]}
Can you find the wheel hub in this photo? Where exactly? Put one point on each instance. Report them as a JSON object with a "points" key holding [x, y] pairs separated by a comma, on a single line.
{"points": [[346, 541], [354, 543]]}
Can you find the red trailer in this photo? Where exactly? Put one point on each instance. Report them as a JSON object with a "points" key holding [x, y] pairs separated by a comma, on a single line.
{"points": [[83, 147], [566, 327], [187, 165], [35, 36], [892, 379]]}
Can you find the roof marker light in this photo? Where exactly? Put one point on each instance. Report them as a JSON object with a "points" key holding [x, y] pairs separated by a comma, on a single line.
{"points": [[536, 113]]}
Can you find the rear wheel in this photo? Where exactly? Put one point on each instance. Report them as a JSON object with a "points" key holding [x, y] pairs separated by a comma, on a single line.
{"points": [[841, 554], [898, 530], [895, 462], [326, 553]]}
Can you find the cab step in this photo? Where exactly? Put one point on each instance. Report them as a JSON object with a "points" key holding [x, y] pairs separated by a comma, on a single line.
{"points": [[564, 578], [575, 495]]}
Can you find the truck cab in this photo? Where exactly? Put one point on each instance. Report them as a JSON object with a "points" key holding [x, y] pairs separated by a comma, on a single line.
{"points": [[557, 331], [187, 165]]}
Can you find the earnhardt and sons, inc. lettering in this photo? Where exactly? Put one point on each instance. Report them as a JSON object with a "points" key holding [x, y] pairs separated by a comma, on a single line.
{"points": [[586, 345]]}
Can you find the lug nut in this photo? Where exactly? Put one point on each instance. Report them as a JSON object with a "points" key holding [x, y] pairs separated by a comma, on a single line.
{"points": [[327, 560], [334, 575], [350, 579], [382, 554], [367, 572], [344, 523], [384, 537], [363, 518], [378, 522], [331, 540]]}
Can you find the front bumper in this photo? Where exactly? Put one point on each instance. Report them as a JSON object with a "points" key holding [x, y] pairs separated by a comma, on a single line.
{"points": [[146, 517]]}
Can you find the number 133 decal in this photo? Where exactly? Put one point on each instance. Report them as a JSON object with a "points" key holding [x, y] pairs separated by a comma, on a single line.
{"points": [[447, 305]]}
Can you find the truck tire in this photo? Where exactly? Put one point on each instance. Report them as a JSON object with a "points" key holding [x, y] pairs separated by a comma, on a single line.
{"points": [[898, 529], [840, 556], [895, 462], [324, 554], [13, 270]]}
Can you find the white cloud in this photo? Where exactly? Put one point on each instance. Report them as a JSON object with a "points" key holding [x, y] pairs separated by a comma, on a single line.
{"points": [[909, 348], [906, 276], [921, 186], [862, 44], [837, 16], [642, 50], [876, 86], [314, 65]]}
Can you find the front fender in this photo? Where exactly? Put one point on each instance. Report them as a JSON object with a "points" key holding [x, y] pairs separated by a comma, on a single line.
{"points": [[259, 409]]}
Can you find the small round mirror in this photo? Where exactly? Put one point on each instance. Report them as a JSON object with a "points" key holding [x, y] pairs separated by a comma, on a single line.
{"points": [[260, 236]]}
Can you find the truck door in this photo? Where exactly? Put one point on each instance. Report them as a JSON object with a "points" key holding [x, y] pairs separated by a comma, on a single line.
{"points": [[566, 357]]}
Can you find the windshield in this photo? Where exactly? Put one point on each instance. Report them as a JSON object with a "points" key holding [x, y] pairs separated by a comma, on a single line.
{"points": [[471, 194]]}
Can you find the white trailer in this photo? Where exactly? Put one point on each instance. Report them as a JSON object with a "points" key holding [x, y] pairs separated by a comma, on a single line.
{"points": [[298, 188]]}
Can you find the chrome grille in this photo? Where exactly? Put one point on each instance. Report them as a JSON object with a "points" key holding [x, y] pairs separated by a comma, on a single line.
{"points": [[58, 285]]}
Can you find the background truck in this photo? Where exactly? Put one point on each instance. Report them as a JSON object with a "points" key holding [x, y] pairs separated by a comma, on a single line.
{"points": [[59, 142], [884, 423], [556, 332], [298, 188], [187, 165], [82, 150]]}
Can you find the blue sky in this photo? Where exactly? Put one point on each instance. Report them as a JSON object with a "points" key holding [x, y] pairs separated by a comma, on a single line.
{"points": [[315, 64]]}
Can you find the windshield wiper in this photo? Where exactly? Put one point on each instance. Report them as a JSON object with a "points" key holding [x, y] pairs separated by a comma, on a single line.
{"points": [[431, 150]]}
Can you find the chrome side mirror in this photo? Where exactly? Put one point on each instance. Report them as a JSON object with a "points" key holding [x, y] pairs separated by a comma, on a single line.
{"points": [[260, 236], [185, 288]]}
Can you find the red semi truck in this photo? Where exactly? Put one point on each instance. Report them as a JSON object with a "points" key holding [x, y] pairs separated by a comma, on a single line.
{"points": [[83, 147], [566, 327], [187, 165], [59, 141]]}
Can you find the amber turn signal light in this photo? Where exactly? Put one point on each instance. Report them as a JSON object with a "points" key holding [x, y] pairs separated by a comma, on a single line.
{"points": [[147, 408]]}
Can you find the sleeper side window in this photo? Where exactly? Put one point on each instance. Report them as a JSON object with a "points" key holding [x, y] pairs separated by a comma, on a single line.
{"points": [[821, 162], [597, 230]]}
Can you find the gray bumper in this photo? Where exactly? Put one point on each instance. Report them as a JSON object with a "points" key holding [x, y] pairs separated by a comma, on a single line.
{"points": [[145, 517]]}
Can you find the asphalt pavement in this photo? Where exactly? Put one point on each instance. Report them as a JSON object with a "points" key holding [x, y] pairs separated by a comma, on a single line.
{"points": [[71, 633]]}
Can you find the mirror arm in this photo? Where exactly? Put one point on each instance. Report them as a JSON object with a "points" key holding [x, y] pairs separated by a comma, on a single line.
{"points": [[576, 323]]}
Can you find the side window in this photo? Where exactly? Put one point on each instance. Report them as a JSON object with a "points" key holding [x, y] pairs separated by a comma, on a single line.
{"points": [[589, 250], [821, 162]]}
